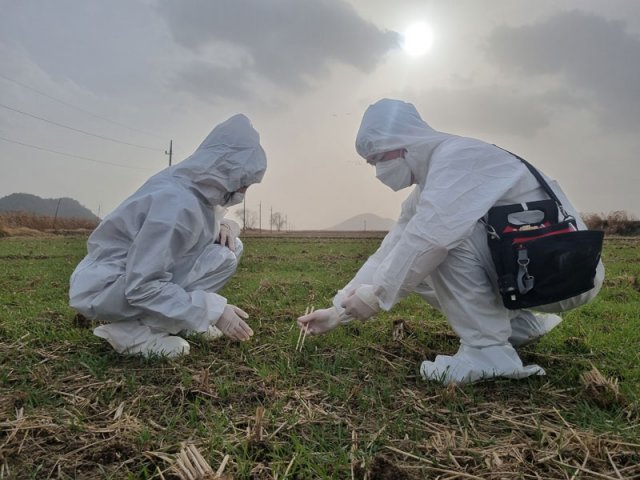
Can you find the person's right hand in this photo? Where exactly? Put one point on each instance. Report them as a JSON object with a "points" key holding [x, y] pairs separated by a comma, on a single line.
{"points": [[232, 325], [320, 321]]}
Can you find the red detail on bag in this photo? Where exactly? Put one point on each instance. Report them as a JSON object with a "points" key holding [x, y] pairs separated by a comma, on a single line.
{"points": [[510, 228], [518, 241]]}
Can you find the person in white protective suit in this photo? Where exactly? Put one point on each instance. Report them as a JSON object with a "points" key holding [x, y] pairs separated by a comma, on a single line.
{"points": [[438, 247], [155, 263]]}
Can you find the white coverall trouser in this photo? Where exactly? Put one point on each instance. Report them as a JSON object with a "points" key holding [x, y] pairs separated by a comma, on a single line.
{"points": [[464, 289], [213, 269]]}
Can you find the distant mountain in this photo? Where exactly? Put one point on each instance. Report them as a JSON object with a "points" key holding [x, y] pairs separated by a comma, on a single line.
{"points": [[25, 202], [365, 221]]}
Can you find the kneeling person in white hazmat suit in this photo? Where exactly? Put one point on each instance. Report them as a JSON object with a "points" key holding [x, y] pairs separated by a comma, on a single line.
{"points": [[438, 247], [155, 263]]}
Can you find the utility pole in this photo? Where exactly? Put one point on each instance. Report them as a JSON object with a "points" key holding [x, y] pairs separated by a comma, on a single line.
{"points": [[244, 213], [55, 217], [271, 221], [170, 152], [260, 218]]}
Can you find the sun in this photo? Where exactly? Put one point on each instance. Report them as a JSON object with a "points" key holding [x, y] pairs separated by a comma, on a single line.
{"points": [[417, 39]]}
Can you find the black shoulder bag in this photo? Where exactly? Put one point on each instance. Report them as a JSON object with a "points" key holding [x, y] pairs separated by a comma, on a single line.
{"points": [[539, 258]]}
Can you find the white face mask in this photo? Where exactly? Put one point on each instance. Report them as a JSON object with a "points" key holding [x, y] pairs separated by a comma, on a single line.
{"points": [[233, 198], [395, 173]]}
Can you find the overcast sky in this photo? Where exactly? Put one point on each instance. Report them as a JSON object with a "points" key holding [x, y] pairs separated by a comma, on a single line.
{"points": [[110, 83]]}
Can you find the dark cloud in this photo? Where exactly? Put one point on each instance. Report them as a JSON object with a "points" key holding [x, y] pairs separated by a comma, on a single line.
{"points": [[209, 80], [290, 43], [487, 110], [597, 58], [101, 46]]}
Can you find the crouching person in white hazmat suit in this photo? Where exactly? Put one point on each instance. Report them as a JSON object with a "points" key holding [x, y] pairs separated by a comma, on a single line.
{"points": [[438, 247], [155, 263]]}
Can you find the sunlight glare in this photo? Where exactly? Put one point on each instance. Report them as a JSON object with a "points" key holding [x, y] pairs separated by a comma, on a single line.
{"points": [[417, 39]]}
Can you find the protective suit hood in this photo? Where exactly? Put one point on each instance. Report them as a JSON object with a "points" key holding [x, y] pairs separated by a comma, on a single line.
{"points": [[393, 124], [228, 159]]}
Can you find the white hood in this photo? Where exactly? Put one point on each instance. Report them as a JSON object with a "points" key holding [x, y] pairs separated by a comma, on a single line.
{"points": [[228, 159], [393, 124]]}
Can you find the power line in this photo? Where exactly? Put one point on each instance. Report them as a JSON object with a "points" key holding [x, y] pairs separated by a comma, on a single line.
{"points": [[70, 154], [80, 109], [78, 130]]}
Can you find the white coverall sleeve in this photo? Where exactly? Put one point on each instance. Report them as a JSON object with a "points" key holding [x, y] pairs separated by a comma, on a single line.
{"points": [[462, 185], [165, 236], [365, 274]]}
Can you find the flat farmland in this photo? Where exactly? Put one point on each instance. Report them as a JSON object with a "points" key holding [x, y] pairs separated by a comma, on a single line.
{"points": [[350, 404]]}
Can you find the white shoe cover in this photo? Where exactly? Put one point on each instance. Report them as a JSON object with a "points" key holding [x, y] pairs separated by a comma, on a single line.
{"points": [[473, 364], [213, 332], [162, 344], [529, 327], [133, 337]]}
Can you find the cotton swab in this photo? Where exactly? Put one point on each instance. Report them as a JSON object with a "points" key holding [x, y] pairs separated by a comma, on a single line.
{"points": [[303, 333], [306, 330], [306, 312]]}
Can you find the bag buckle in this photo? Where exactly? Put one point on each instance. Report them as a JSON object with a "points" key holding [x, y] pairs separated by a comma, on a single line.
{"points": [[491, 231], [524, 280]]}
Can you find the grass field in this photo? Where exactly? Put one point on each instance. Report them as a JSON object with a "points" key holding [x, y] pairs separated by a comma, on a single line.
{"points": [[351, 404]]}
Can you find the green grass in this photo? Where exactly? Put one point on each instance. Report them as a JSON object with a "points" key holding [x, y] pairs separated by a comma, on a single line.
{"points": [[351, 403]]}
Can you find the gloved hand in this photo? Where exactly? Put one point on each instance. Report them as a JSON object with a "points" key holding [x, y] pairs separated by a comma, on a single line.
{"points": [[232, 325], [362, 304], [321, 321], [228, 234]]}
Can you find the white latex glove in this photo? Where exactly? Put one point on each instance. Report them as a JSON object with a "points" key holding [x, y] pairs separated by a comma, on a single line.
{"points": [[232, 325], [322, 321], [362, 304], [228, 234]]}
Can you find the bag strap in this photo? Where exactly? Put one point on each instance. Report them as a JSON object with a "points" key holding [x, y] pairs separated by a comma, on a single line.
{"points": [[543, 183]]}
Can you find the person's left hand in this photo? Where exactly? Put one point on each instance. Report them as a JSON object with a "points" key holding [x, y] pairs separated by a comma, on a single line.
{"points": [[232, 323], [362, 304], [228, 237]]}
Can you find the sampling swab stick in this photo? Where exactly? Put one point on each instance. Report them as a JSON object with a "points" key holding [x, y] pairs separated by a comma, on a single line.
{"points": [[306, 330], [303, 333], [306, 312]]}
